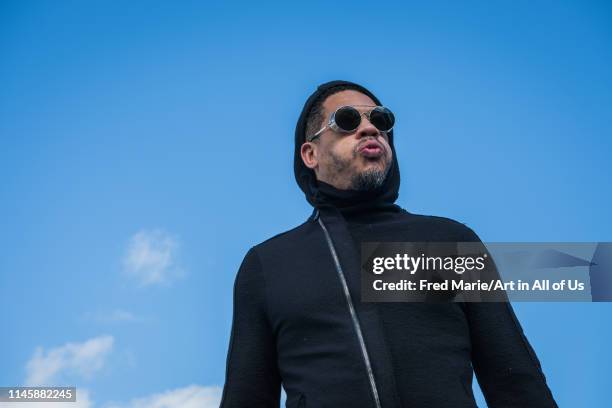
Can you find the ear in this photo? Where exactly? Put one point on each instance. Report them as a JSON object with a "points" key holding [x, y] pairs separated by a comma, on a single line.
{"points": [[310, 155]]}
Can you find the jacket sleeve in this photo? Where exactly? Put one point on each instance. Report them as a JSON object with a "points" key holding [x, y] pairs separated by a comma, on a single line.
{"points": [[506, 366], [252, 379]]}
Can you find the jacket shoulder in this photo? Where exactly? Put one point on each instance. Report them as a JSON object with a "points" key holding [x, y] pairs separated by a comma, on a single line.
{"points": [[285, 238]]}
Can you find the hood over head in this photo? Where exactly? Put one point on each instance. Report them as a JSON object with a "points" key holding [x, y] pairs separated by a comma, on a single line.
{"points": [[321, 194]]}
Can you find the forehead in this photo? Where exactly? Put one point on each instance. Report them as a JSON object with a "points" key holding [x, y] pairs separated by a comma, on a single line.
{"points": [[347, 97]]}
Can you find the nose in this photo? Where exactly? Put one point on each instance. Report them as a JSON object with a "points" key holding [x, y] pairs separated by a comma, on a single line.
{"points": [[366, 128]]}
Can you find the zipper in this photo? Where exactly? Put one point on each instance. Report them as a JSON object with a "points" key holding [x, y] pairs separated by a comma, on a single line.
{"points": [[355, 320]]}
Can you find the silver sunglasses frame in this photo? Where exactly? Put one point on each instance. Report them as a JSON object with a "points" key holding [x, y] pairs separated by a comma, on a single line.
{"points": [[331, 123]]}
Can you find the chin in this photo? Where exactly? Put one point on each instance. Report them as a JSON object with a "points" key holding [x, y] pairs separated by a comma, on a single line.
{"points": [[371, 165], [367, 180]]}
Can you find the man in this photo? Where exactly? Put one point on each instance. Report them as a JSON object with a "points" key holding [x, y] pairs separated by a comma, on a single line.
{"points": [[298, 319]]}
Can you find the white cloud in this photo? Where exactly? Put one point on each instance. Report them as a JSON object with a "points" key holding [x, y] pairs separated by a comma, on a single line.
{"points": [[151, 258], [193, 396], [83, 359]]}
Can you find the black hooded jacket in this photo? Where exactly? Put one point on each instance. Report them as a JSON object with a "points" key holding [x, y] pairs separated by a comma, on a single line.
{"points": [[298, 319]]}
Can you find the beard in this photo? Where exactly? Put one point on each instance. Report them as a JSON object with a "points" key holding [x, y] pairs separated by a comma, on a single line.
{"points": [[369, 179], [366, 180]]}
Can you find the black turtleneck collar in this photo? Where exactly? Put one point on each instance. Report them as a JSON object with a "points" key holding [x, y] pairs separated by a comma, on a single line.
{"points": [[356, 206]]}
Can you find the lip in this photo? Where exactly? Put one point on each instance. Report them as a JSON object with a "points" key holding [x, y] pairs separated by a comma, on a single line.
{"points": [[371, 148]]}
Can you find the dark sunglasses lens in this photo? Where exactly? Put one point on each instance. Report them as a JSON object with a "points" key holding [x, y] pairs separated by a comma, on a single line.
{"points": [[382, 118], [347, 118]]}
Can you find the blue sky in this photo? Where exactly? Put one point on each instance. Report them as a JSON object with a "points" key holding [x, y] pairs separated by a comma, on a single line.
{"points": [[145, 146]]}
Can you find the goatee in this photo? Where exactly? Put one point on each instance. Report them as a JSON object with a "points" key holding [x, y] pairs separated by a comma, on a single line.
{"points": [[369, 179]]}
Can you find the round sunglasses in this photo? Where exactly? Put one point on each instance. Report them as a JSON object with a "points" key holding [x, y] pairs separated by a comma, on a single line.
{"points": [[346, 119]]}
